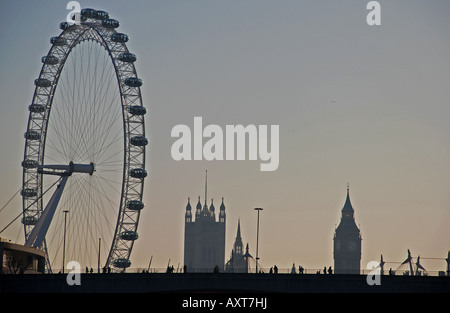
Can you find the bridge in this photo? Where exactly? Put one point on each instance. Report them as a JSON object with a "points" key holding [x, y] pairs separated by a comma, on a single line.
{"points": [[220, 283]]}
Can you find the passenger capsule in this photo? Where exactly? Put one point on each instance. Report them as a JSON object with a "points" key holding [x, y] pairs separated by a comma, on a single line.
{"points": [[29, 220], [29, 163], [119, 37], [64, 25], [135, 205], [42, 82], [133, 82], [110, 23], [127, 57], [139, 141], [122, 263], [88, 13], [36, 108], [138, 173], [32, 135], [129, 235], [50, 59], [137, 110], [101, 15], [28, 192], [58, 41]]}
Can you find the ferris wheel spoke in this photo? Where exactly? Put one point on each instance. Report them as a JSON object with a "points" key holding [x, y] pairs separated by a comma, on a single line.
{"points": [[89, 115], [86, 222], [97, 145], [106, 146], [104, 208], [56, 235], [114, 159], [62, 140]]}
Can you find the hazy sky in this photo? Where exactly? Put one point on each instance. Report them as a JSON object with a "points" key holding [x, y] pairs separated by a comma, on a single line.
{"points": [[358, 104]]}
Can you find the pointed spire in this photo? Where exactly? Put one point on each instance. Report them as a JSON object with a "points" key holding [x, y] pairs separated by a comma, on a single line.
{"points": [[238, 243], [238, 235], [211, 207], [199, 205], [347, 210], [188, 215], [222, 213], [246, 251], [205, 206], [188, 206]]}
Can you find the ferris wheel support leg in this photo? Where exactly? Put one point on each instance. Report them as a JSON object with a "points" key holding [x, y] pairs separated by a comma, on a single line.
{"points": [[40, 230]]}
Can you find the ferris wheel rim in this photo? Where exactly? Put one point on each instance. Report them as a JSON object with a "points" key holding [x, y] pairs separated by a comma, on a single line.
{"points": [[134, 140]]}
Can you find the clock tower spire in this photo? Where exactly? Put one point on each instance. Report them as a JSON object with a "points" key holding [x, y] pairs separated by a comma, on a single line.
{"points": [[347, 241]]}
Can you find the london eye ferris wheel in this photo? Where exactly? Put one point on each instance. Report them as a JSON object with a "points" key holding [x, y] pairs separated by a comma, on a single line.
{"points": [[85, 143]]}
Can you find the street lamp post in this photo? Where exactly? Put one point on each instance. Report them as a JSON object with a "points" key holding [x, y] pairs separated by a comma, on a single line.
{"points": [[99, 245], [257, 238], [64, 244]]}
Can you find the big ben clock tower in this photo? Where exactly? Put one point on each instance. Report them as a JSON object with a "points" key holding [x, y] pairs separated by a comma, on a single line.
{"points": [[347, 242]]}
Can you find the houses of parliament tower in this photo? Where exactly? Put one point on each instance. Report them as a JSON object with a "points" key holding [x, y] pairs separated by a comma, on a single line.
{"points": [[204, 237]]}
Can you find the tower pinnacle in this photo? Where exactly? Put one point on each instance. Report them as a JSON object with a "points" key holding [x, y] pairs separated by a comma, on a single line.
{"points": [[238, 247]]}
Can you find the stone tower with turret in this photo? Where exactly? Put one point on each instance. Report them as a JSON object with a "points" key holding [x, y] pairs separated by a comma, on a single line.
{"points": [[204, 237]]}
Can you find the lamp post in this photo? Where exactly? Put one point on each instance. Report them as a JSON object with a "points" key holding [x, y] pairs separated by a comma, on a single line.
{"points": [[99, 245], [257, 238], [64, 244]]}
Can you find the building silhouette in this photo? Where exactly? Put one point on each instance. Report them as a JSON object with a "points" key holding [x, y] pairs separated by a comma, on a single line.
{"points": [[204, 237], [239, 262], [20, 259], [347, 242]]}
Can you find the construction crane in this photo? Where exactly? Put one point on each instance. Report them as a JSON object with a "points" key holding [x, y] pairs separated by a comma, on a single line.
{"points": [[411, 269], [408, 261], [419, 266]]}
